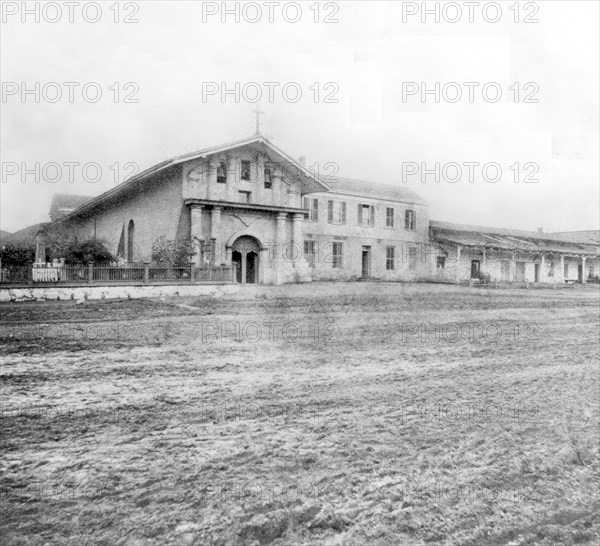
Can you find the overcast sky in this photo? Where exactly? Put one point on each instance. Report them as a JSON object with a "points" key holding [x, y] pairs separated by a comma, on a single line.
{"points": [[373, 131]]}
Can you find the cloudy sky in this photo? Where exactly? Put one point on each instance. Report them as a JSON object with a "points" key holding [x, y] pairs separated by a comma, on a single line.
{"points": [[352, 102]]}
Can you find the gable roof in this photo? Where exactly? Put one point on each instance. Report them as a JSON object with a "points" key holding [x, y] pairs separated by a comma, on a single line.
{"points": [[309, 182], [364, 188]]}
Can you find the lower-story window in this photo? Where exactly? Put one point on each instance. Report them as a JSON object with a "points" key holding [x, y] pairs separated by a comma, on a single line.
{"points": [[412, 258], [338, 256], [389, 258], [309, 252]]}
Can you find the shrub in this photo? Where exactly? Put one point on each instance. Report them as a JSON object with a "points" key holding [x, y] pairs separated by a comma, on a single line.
{"points": [[88, 251], [173, 253]]}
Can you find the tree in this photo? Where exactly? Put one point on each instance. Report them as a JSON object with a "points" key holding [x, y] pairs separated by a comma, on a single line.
{"points": [[17, 254]]}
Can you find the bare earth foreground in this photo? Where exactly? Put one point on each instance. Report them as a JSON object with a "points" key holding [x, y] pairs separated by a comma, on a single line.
{"points": [[309, 414]]}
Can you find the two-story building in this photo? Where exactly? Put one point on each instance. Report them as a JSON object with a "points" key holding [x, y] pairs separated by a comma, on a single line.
{"points": [[360, 229]]}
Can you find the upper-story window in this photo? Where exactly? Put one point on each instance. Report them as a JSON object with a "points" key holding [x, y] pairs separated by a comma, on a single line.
{"points": [[336, 212], [366, 215], [268, 176], [389, 217], [245, 175], [313, 208], [222, 172], [410, 220]]}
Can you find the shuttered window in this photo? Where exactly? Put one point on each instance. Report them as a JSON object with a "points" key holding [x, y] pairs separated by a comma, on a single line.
{"points": [[336, 212], [366, 215]]}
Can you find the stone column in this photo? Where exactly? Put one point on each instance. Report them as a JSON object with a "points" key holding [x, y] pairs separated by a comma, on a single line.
{"points": [[215, 234], [279, 247], [583, 274], [543, 268], [263, 261], [231, 178], [297, 238], [244, 254], [458, 256], [196, 231]]}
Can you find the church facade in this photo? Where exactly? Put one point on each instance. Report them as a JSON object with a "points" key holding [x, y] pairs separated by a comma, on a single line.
{"points": [[250, 205]]}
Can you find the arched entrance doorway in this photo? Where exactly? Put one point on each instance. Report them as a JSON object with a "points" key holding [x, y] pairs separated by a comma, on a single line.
{"points": [[246, 256]]}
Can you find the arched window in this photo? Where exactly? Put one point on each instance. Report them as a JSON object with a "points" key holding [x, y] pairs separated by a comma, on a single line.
{"points": [[130, 240]]}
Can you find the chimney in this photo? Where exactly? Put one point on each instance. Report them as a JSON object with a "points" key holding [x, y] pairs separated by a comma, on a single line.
{"points": [[302, 160]]}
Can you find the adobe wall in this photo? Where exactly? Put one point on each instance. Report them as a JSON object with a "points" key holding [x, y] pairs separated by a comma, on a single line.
{"points": [[156, 209]]}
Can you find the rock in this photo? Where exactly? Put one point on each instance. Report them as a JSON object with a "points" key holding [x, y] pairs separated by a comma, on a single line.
{"points": [[327, 518], [266, 529]]}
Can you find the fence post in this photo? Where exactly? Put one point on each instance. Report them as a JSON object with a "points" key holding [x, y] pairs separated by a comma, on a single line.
{"points": [[91, 272], [146, 273], [192, 272]]}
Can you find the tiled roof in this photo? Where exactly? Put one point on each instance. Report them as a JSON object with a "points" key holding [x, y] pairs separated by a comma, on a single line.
{"points": [[508, 239], [366, 188], [64, 201], [591, 236]]}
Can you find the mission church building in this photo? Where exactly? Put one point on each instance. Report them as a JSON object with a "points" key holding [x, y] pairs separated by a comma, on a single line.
{"points": [[250, 205]]}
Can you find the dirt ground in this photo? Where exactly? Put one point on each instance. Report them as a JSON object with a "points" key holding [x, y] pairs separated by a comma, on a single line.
{"points": [[336, 414]]}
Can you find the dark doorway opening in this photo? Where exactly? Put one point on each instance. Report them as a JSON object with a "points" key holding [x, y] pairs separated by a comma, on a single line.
{"points": [[245, 254], [251, 268], [366, 261], [475, 266], [536, 272]]}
